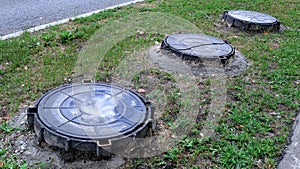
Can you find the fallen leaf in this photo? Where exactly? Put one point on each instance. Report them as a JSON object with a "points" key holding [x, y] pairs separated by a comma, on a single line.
{"points": [[270, 134], [5, 118]]}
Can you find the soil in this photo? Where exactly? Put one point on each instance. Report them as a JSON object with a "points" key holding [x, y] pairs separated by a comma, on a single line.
{"points": [[24, 145], [169, 61]]}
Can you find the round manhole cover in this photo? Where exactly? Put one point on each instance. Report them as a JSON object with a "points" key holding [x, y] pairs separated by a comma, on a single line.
{"points": [[85, 115], [201, 54], [197, 46], [250, 20]]}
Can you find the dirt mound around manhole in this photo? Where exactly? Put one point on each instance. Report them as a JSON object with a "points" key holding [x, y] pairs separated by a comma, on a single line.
{"points": [[168, 60], [25, 146]]}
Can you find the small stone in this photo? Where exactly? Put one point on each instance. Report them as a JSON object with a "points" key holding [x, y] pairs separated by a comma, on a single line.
{"points": [[2, 67], [259, 162], [141, 90], [274, 114], [297, 82], [23, 147], [140, 32]]}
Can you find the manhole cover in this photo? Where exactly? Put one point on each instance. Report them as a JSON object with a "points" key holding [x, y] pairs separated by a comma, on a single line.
{"points": [[197, 46], [89, 116], [200, 54], [250, 20]]}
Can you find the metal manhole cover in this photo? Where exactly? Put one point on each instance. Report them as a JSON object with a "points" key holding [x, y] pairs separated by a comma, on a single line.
{"points": [[202, 55], [250, 20], [198, 46], [88, 116]]}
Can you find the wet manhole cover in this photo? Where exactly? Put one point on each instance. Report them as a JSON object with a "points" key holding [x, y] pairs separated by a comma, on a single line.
{"points": [[89, 116], [202, 55], [250, 20]]}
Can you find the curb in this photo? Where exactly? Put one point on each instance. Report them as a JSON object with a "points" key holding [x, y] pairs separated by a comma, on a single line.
{"points": [[292, 157]]}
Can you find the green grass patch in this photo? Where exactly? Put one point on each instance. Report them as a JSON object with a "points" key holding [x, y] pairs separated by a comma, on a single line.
{"points": [[261, 104]]}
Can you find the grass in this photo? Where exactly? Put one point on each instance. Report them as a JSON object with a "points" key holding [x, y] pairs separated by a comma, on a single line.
{"points": [[261, 104], [10, 161]]}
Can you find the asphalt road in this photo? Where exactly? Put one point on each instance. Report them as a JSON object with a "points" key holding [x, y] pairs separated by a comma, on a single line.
{"points": [[18, 15]]}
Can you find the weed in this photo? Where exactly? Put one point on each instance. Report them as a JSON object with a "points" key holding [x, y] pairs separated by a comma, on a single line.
{"points": [[5, 128], [66, 36], [172, 154], [7, 161], [48, 38]]}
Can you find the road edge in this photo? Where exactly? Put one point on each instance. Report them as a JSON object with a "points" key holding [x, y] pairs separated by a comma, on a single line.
{"points": [[37, 28]]}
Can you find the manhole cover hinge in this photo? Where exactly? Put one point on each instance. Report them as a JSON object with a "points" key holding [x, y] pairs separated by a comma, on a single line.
{"points": [[31, 112], [103, 143], [87, 81]]}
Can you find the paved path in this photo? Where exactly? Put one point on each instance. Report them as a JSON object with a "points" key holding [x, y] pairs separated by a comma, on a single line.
{"points": [[291, 159], [18, 15]]}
